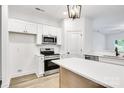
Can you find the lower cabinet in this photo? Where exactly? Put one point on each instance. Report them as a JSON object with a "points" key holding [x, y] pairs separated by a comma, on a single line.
{"points": [[40, 65]]}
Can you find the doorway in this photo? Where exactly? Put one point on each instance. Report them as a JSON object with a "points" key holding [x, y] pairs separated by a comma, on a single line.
{"points": [[74, 43]]}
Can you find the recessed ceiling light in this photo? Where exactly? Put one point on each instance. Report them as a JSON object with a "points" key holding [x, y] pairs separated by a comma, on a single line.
{"points": [[40, 9]]}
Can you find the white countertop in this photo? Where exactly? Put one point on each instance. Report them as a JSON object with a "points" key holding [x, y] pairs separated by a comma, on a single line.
{"points": [[108, 75]]}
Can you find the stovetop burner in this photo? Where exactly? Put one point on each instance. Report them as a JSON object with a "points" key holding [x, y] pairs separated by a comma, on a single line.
{"points": [[49, 53]]}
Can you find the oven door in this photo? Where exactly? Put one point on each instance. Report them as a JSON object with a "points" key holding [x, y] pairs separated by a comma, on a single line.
{"points": [[50, 65]]}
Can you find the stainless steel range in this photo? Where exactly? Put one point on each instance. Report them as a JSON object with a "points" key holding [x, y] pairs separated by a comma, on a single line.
{"points": [[50, 55]]}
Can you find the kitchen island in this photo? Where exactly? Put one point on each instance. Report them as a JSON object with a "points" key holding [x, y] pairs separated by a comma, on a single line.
{"points": [[77, 72]]}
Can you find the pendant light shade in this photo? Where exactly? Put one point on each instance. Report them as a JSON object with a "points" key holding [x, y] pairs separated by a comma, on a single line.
{"points": [[74, 11]]}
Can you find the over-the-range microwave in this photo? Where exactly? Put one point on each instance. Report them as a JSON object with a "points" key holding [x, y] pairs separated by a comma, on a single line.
{"points": [[49, 39]]}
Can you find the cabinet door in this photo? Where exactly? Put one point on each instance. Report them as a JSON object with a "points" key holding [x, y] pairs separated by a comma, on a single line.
{"points": [[40, 29], [31, 28], [15, 25], [54, 31], [39, 34], [39, 39], [40, 65], [46, 30]]}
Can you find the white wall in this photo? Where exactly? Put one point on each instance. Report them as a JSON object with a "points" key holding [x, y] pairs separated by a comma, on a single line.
{"points": [[22, 51], [111, 40], [99, 41], [88, 36], [74, 25]]}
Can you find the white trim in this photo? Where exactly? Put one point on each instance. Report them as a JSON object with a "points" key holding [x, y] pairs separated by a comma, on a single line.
{"points": [[22, 74], [39, 75], [5, 44]]}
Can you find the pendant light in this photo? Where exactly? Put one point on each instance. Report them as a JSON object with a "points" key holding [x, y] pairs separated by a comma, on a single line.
{"points": [[74, 11]]}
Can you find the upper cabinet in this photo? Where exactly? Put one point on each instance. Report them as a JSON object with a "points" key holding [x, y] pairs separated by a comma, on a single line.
{"points": [[59, 36], [40, 29], [39, 34], [15, 25], [49, 30], [31, 27], [19, 26], [54, 31]]}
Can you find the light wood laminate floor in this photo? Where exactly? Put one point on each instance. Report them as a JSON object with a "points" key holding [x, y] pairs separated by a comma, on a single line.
{"points": [[31, 81]]}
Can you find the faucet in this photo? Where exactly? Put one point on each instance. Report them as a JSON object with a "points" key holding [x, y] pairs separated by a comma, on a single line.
{"points": [[116, 51]]}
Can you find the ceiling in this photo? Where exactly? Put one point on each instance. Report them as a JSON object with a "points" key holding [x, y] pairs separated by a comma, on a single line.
{"points": [[56, 11], [104, 16], [108, 19], [51, 11]]}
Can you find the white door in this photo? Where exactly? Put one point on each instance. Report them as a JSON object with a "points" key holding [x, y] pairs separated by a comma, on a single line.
{"points": [[74, 44]]}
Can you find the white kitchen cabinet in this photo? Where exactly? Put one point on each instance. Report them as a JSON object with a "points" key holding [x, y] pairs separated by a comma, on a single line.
{"points": [[39, 34], [15, 25], [49, 30], [19, 26], [54, 31], [39, 39], [40, 29], [46, 30], [31, 28], [59, 37], [40, 65]]}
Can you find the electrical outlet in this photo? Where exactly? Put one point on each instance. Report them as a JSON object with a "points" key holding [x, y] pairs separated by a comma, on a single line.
{"points": [[19, 70]]}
